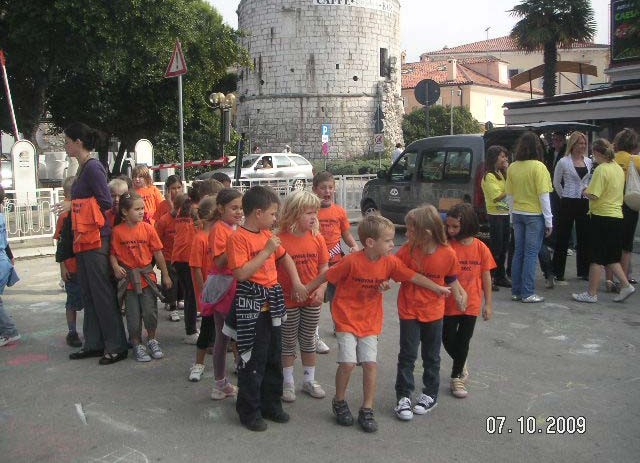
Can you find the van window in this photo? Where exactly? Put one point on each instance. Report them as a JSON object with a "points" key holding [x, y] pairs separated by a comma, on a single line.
{"points": [[282, 161], [446, 165], [405, 167]]}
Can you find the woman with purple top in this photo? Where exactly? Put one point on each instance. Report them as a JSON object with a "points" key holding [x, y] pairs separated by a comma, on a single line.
{"points": [[90, 198]]}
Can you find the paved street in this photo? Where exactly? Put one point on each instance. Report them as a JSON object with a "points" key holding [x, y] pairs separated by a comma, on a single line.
{"points": [[555, 359]]}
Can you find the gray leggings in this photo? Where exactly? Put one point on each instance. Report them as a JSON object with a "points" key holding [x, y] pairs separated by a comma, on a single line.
{"points": [[300, 326]]}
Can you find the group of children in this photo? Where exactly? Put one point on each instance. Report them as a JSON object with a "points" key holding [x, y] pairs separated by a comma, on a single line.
{"points": [[264, 288]]}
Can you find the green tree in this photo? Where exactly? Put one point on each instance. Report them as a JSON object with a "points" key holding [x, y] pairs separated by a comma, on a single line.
{"points": [[414, 123], [547, 24]]}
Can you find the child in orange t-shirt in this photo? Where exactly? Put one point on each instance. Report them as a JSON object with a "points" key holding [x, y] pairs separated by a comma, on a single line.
{"points": [[258, 309], [134, 244], [300, 237], [360, 279], [476, 263], [68, 270], [172, 188], [421, 310], [117, 187], [334, 226], [143, 185]]}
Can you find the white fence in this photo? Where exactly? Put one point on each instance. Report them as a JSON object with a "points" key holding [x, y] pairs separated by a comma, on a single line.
{"points": [[29, 216]]}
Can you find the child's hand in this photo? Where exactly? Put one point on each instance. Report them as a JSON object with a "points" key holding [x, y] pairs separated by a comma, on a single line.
{"points": [[272, 244], [316, 298], [300, 292], [119, 272], [166, 281], [356, 248], [64, 273], [461, 301], [444, 291], [487, 312], [385, 286]]}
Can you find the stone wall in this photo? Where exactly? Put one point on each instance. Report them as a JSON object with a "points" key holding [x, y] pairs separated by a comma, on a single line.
{"points": [[318, 62]]}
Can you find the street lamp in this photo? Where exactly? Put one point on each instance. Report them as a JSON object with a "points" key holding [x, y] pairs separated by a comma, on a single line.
{"points": [[224, 103]]}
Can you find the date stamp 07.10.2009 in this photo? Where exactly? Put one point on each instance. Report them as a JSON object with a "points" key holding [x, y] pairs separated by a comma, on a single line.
{"points": [[529, 425]]}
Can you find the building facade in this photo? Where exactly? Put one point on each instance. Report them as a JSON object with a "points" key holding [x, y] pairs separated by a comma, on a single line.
{"points": [[315, 63]]}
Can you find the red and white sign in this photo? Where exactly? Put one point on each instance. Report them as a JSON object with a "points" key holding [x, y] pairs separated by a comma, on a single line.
{"points": [[223, 161], [177, 64]]}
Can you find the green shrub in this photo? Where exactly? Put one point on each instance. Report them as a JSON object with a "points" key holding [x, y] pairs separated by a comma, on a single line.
{"points": [[352, 166]]}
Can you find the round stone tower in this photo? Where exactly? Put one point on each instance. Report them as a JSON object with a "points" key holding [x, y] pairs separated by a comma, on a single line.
{"points": [[315, 63]]}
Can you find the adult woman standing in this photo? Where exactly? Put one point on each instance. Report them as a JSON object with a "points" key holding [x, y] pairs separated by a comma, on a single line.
{"points": [[605, 193], [528, 186], [570, 178], [493, 187], [90, 198]]}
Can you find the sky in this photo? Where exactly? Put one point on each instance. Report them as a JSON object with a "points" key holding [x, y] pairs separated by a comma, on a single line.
{"points": [[429, 25]]}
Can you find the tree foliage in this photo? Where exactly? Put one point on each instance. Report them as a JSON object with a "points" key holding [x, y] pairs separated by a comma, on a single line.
{"points": [[103, 62], [547, 24], [414, 123]]}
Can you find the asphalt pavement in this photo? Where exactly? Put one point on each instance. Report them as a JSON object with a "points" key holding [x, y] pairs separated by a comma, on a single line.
{"points": [[539, 375]]}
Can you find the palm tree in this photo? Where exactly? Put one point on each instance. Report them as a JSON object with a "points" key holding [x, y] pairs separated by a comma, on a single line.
{"points": [[548, 24]]}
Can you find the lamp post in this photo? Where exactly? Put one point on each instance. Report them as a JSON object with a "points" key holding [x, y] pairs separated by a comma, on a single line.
{"points": [[224, 103]]}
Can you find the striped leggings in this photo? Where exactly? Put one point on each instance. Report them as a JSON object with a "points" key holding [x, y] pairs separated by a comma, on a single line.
{"points": [[300, 326]]}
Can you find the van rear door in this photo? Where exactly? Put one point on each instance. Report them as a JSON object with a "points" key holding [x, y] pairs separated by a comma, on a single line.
{"points": [[397, 192]]}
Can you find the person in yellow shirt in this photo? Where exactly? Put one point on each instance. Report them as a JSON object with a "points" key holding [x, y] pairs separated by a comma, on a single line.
{"points": [[528, 186], [605, 193]]}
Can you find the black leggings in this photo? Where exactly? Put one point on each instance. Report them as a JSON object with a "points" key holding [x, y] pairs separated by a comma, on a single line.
{"points": [[190, 308], [457, 331]]}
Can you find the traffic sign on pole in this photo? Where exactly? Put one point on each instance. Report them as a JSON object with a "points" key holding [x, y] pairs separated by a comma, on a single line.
{"points": [[378, 143], [177, 64]]}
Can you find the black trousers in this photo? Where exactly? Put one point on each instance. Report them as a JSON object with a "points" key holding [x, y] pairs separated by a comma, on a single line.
{"points": [[499, 231], [171, 294], [457, 331], [190, 308], [260, 379], [572, 211]]}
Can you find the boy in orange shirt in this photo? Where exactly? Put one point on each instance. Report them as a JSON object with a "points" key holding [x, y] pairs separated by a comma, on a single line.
{"points": [[360, 279], [258, 308]]}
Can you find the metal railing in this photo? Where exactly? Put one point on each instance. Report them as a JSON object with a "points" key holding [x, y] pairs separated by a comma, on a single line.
{"points": [[28, 214]]}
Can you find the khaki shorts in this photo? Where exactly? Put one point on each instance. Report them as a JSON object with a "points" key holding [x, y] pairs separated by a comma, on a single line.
{"points": [[352, 349]]}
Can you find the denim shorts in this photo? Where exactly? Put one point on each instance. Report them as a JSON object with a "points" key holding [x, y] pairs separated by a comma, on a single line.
{"points": [[74, 294], [352, 349]]}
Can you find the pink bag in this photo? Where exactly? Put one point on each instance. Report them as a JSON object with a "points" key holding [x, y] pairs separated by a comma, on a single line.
{"points": [[223, 305]]}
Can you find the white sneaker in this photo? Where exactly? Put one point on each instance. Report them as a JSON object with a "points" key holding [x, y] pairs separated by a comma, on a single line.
{"points": [[140, 354], [191, 338], [5, 340], [229, 390], [624, 293], [569, 252], [403, 409], [154, 347], [288, 392], [561, 282], [174, 316], [458, 388], [313, 388], [533, 299], [424, 404], [321, 346], [465, 373], [196, 372], [585, 297]]}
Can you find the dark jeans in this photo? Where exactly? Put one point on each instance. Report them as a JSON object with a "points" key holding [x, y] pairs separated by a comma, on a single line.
{"points": [[260, 379], [499, 231], [572, 210], [190, 308], [429, 337], [457, 331]]}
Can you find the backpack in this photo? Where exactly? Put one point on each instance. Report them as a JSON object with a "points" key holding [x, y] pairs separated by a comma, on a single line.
{"points": [[632, 187]]}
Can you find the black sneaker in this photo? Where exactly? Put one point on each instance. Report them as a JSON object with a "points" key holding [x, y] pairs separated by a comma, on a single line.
{"points": [[366, 420], [73, 340], [342, 412], [258, 425], [279, 416]]}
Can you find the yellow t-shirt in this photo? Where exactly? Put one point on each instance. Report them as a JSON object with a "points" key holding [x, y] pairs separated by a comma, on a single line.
{"points": [[492, 187], [607, 184], [623, 159], [526, 181]]}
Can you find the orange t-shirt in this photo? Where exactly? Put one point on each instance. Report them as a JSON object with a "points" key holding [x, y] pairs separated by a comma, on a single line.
{"points": [[218, 237], [134, 246], [183, 238], [200, 260], [164, 207], [309, 253], [333, 222], [244, 245], [357, 305], [71, 263], [152, 198], [166, 229], [416, 302], [474, 259]]}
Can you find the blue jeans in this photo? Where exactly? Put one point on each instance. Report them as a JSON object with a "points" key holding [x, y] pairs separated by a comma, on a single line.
{"points": [[528, 233], [429, 336], [7, 327]]}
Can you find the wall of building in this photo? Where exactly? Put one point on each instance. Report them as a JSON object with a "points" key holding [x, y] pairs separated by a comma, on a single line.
{"points": [[318, 62]]}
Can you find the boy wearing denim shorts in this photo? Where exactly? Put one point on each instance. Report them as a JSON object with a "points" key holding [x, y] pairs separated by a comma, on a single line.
{"points": [[360, 278]]}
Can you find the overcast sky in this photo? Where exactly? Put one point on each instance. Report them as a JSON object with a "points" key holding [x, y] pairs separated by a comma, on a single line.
{"points": [[428, 25]]}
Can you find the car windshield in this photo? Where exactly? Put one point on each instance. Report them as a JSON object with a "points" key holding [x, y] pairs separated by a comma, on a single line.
{"points": [[248, 161]]}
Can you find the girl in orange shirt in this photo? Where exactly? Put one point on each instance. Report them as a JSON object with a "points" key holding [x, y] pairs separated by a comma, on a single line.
{"points": [[134, 244], [300, 236], [172, 188], [151, 196], [421, 310], [476, 263]]}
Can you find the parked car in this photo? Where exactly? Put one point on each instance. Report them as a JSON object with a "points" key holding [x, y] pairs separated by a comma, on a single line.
{"points": [[445, 170], [276, 166]]}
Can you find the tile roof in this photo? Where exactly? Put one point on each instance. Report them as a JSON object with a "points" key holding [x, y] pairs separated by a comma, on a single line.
{"points": [[499, 44]]}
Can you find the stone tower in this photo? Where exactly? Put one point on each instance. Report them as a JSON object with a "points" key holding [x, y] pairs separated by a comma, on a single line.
{"points": [[320, 62]]}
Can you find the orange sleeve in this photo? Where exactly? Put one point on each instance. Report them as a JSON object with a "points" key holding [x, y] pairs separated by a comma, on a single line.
{"points": [[323, 252], [486, 257], [237, 252], [59, 223], [399, 271], [344, 220], [155, 244], [198, 251]]}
